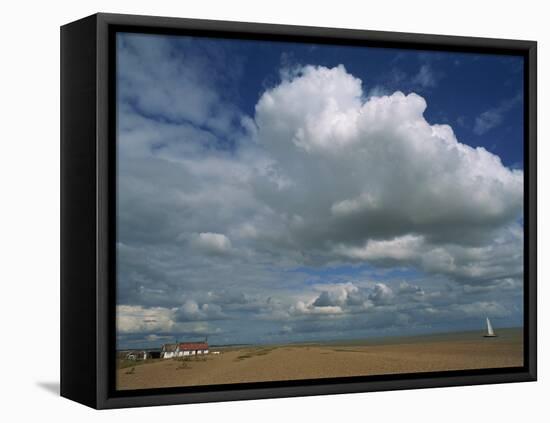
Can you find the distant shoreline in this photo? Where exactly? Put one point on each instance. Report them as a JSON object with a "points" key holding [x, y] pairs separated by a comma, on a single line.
{"points": [[378, 340]]}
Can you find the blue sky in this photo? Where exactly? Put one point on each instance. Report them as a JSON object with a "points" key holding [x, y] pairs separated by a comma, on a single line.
{"points": [[315, 192]]}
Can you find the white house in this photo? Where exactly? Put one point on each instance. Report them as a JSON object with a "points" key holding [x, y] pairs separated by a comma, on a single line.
{"points": [[137, 355], [191, 348], [168, 350], [182, 349]]}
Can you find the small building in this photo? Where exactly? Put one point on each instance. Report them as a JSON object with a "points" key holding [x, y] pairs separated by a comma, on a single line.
{"points": [[136, 355], [168, 350], [183, 349], [153, 354], [192, 348]]}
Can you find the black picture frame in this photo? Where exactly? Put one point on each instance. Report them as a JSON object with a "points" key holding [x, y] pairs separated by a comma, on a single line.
{"points": [[88, 210]]}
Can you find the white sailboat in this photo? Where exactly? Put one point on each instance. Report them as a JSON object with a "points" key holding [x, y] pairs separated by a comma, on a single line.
{"points": [[490, 332]]}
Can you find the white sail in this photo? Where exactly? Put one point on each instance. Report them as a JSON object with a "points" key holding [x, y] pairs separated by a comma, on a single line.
{"points": [[490, 331]]}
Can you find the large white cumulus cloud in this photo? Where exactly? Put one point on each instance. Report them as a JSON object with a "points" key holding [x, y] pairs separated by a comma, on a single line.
{"points": [[357, 168]]}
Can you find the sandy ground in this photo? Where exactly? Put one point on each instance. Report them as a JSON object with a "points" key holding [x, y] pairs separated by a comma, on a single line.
{"points": [[288, 362]]}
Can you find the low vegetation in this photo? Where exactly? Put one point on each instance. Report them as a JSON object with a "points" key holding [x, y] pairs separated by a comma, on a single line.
{"points": [[254, 353], [124, 363]]}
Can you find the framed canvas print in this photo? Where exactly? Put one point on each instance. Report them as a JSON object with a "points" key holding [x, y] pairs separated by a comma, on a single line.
{"points": [[256, 211]]}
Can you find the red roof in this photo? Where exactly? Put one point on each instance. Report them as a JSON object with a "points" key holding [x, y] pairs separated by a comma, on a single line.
{"points": [[192, 346]]}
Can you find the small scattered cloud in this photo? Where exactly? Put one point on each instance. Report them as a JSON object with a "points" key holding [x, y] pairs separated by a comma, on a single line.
{"points": [[382, 294], [212, 243], [406, 288], [192, 311], [493, 117], [422, 80], [426, 77]]}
